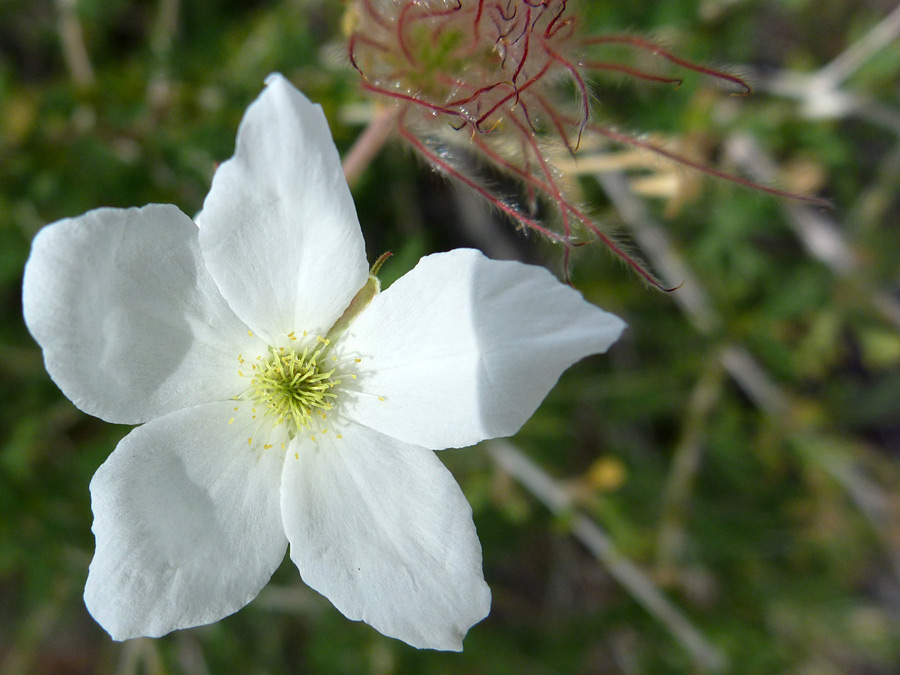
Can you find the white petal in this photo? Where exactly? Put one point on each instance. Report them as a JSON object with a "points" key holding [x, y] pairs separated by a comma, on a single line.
{"points": [[464, 348], [382, 530], [187, 522], [131, 323], [279, 229]]}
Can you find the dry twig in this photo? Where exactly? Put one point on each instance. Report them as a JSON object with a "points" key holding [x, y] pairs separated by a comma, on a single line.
{"points": [[547, 491]]}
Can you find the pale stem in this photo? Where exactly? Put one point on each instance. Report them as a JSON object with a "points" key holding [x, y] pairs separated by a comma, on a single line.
{"points": [[480, 226], [293, 599], [140, 652], [852, 58], [583, 528], [164, 28], [509, 458], [190, 654], [746, 371], [878, 507], [34, 631], [691, 295], [369, 142], [161, 40], [819, 93], [71, 38], [754, 381], [820, 235], [670, 541]]}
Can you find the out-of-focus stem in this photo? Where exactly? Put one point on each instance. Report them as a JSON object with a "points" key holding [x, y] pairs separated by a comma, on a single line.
{"points": [[820, 235], [164, 27], [190, 654], [71, 39], [820, 94], [159, 88], [369, 142], [32, 631], [685, 464], [851, 59], [543, 487], [835, 456], [691, 295], [746, 371], [137, 653]]}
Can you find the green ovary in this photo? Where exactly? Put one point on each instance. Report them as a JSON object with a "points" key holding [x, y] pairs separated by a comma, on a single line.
{"points": [[294, 386]]}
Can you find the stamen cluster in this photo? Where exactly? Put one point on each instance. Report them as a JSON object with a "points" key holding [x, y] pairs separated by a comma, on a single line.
{"points": [[293, 385]]}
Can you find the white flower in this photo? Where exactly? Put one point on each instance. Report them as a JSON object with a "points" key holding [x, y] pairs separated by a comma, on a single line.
{"points": [[261, 425]]}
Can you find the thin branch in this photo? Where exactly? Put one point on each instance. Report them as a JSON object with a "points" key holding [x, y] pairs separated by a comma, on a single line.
{"points": [[691, 297], [685, 465], [820, 235], [655, 243], [545, 489], [190, 654], [833, 456], [162, 39], [71, 38], [819, 93], [851, 59], [164, 28], [818, 102], [139, 652], [479, 225], [369, 142], [31, 632], [746, 371], [754, 381]]}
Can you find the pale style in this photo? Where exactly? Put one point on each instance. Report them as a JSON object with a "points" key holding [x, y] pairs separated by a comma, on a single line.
{"points": [[264, 424]]}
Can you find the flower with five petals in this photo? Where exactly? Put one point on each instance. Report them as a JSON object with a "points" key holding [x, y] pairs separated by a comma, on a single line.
{"points": [[281, 399]]}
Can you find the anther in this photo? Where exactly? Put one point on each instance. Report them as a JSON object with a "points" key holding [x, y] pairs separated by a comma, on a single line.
{"points": [[293, 386]]}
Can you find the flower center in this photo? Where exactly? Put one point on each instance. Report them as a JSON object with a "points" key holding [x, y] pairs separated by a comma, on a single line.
{"points": [[294, 385]]}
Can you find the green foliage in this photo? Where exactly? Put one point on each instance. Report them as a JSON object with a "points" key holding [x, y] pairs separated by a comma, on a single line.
{"points": [[789, 553]]}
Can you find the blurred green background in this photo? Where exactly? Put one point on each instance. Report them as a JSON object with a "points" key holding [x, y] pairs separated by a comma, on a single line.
{"points": [[740, 450]]}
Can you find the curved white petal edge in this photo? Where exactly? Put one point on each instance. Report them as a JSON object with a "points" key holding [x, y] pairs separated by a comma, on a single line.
{"points": [[187, 524], [399, 551], [264, 426], [464, 348]]}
